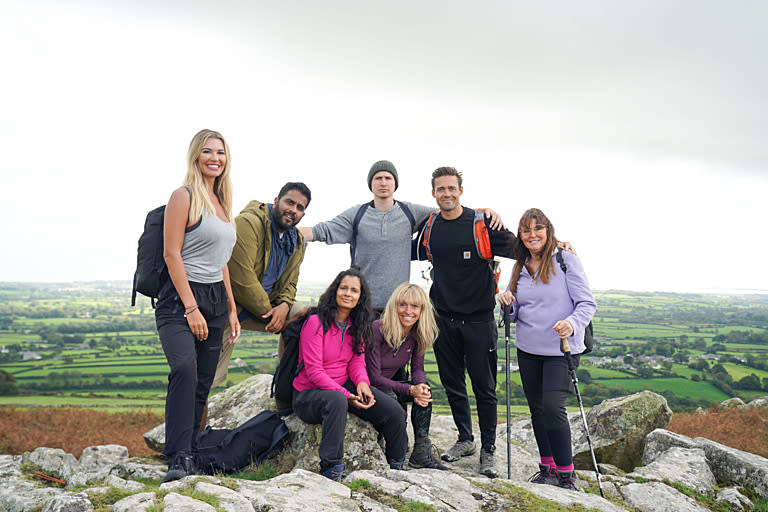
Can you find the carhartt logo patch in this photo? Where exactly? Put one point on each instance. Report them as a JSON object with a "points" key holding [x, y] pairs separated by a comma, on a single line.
{"points": [[467, 255]]}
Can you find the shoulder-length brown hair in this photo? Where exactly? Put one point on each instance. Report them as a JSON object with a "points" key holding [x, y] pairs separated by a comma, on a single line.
{"points": [[424, 331], [523, 254]]}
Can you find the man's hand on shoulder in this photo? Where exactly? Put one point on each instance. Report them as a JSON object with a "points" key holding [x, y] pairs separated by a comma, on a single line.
{"points": [[277, 316], [566, 246], [496, 222]]}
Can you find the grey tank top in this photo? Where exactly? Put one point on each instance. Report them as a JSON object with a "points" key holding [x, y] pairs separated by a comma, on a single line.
{"points": [[207, 248]]}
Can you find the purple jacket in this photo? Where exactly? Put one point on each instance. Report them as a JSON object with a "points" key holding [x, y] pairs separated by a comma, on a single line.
{"points": [[539, 306], [383, 362]]}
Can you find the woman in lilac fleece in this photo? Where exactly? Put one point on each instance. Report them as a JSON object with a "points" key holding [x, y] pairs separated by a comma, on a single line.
{"points": [[332, 378], [406, 331], [547, 304]]}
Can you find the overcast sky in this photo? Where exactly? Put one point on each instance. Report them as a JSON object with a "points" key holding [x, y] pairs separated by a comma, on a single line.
{"points": [[639, 128]]}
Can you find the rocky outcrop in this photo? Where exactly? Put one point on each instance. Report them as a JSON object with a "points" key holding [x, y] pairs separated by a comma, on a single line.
{"points": [[664, 458]]}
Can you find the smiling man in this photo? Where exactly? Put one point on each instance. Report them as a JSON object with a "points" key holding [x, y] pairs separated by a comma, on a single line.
{"points": [[264, 268], [463, 293]]}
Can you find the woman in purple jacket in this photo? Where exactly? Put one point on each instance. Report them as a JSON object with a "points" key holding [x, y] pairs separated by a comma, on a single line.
{"points": [[547, 304], [332, 379], [403, 335]]}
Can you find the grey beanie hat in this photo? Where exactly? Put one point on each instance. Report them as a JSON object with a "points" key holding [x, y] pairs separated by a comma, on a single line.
{"points": [[382, 165]]}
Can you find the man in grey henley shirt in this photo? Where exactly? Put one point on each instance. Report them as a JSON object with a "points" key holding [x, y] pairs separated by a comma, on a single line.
{"points": [[383, 244]]}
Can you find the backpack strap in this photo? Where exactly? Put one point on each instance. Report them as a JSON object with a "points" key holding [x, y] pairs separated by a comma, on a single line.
{"points": [[355, 224], [559, 258], [407, 212], [482, 239], [426, 232]]}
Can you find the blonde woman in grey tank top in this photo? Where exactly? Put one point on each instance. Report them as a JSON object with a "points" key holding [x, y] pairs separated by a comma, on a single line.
{"points": [[196, 303]]}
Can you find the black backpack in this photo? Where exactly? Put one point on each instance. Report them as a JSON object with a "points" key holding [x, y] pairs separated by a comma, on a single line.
{"points": [[589, 338], [359, 215], [288, 367], [227, 451], [151, 271]]}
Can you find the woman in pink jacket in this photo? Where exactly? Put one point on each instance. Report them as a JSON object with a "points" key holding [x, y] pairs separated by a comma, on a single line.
{"points": [[332, 378]]}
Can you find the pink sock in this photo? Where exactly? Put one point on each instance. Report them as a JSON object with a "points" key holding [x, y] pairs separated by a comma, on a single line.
{"points": [[548, 461], [569, 467]]}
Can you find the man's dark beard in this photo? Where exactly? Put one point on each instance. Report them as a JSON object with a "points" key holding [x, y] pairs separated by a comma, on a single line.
{"points": [[277, 218]]}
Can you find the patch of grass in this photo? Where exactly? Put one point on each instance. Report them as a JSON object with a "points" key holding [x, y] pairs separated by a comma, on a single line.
{"points": [[263, 471], [760, 503], [358, 485], [399, 504], [702, 499], [525, 501], [205, 497], [106, 499], [157, 507]]}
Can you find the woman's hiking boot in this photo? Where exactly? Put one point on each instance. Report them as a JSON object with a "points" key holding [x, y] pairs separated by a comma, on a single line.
{"points": [[423, 455], [181, 464], [488, 463], [335, 473], [546, 475], [397, 464], [459, 450], [567, 480]]}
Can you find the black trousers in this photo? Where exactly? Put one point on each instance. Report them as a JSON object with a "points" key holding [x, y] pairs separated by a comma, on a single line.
{"points": [[547, 386], [469, 346], [329, 408], [192, 362]]}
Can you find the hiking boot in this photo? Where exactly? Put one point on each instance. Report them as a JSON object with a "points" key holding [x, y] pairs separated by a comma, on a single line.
{"points": [[459, 450], [546, 475], [335, 473], [567, 480], [398, 464], [488, 463], [181, 464], [423, 455]]}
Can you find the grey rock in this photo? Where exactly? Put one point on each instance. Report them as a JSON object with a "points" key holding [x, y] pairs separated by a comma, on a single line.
{"points": [[734, 499], [618, 428], [135, 502], [177, 503], [661, 440], [96, 458], [52, 461], [298, 491], [610, 469], [442, 490], [229, 500], [554, 494], [155, 438], [760, 402], [732, 403], [133, 470], [97, 490], [658, 497], [120, 483], [239, 403], [10, 467], [361, 450], [735, 466], [686, 466], [78, 502], [366, 504], [700, 410]]}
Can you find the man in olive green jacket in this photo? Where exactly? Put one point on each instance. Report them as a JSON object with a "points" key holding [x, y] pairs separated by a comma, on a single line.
{"points": [[264, 267]]}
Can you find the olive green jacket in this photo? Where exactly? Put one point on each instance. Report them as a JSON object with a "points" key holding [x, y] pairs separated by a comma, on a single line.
{"points": [[249, 261]]}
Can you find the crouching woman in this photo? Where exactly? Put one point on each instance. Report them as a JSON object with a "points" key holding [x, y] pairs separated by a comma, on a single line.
{"points": [[333, 380]]}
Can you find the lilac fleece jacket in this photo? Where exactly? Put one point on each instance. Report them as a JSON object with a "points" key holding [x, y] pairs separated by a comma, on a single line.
{"points": [[383, 362], [539, 306], [329, 360]]}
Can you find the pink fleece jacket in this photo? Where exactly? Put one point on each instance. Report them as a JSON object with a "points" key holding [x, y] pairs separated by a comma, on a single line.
{"points": [[329, 360]]}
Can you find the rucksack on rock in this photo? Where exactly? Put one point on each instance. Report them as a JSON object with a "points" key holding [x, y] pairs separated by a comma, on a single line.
{"points": [[288, 367], [230, 450], [151, 271]]}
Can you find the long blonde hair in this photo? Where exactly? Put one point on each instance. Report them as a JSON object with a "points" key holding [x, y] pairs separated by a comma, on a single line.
{"points": [[196, 183], [424, 331]]}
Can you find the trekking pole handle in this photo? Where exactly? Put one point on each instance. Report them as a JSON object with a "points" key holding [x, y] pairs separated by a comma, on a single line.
{"points": [[505, 312], [565, 348]]}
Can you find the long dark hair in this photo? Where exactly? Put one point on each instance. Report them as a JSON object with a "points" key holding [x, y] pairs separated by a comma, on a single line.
{"points": [[523, 254], [360, 318]]}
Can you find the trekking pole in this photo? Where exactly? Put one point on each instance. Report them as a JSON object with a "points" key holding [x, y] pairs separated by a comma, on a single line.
{"points": [[505, 312], [566, 350]]}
